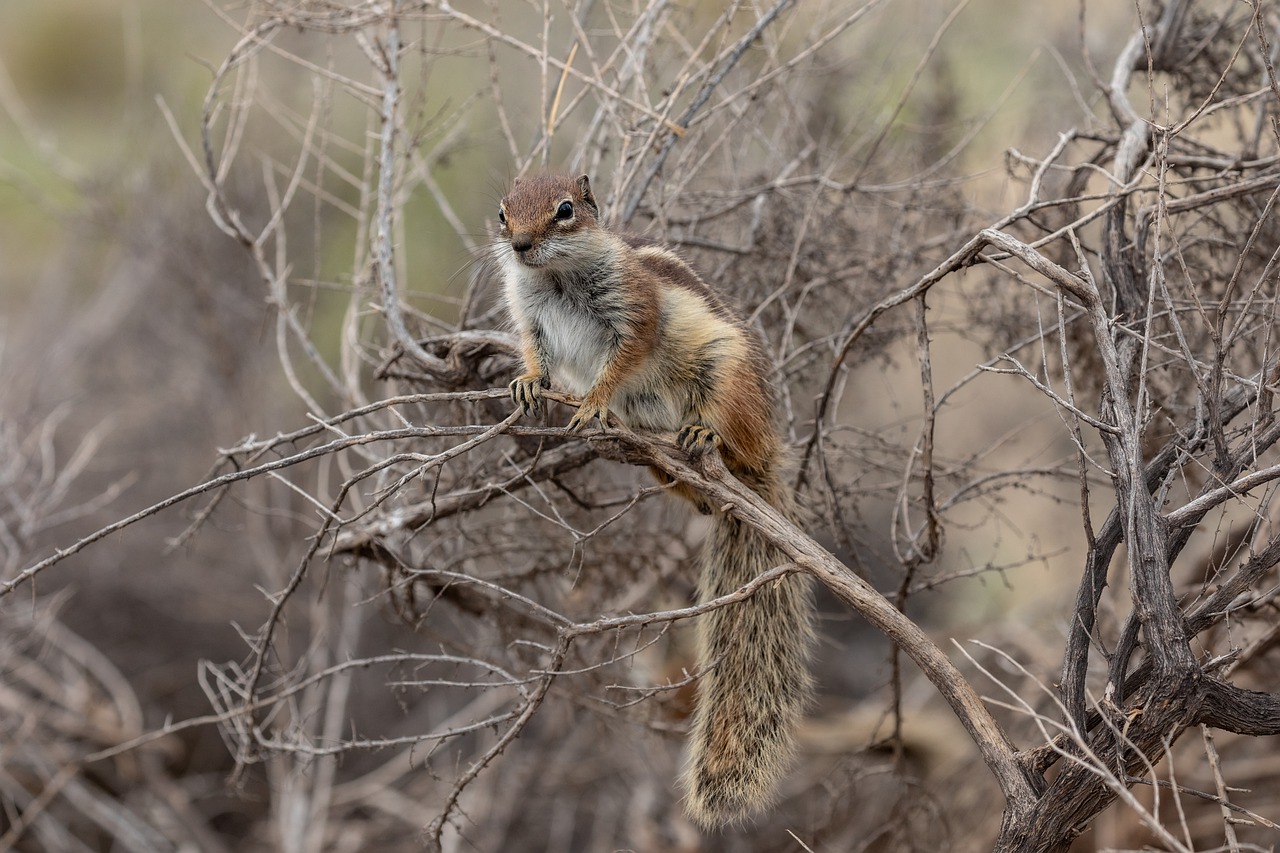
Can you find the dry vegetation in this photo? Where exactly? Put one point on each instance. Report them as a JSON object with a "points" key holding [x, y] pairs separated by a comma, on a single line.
{"points": [[460, 629]]}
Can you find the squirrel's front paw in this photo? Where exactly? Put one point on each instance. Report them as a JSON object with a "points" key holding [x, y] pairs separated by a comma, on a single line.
{"points": [[589, 411], [526, 392], [697, 438]]}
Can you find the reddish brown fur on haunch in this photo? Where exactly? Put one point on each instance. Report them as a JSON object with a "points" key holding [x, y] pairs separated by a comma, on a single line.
{"points": [[634, 331]]}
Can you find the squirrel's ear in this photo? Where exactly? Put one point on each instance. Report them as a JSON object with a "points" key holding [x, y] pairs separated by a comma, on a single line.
{"points": [[515, 182], [584, 187]]}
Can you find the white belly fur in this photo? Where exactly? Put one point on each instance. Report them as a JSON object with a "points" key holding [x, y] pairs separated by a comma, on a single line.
{"points": [[579, 350], [578, 347]]}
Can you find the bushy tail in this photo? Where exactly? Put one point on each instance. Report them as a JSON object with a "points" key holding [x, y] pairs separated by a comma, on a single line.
{"points": [[755, 683]]}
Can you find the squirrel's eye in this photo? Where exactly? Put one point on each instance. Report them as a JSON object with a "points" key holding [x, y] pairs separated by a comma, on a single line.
{"points": [[564, 211], [502, 216]]}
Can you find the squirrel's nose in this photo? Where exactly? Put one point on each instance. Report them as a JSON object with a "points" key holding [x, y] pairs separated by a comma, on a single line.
{"points": [[521, 242]]}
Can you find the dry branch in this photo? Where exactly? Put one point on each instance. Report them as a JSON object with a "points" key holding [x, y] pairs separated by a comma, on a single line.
{"points": [[1121, 313]]}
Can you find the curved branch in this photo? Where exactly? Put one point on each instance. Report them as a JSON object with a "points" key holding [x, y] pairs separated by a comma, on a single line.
{"points": [[1192, 511], [1018, 784], [965, 255]]}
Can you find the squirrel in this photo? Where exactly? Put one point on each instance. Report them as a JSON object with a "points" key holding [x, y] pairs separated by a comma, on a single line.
{"points": [[632, 330]]}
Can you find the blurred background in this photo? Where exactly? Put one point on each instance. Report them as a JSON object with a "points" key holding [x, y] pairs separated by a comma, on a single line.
{"points": [[139, 340]]}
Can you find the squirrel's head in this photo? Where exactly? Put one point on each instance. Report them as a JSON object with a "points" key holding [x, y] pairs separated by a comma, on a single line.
{"points": [[549, 220]]}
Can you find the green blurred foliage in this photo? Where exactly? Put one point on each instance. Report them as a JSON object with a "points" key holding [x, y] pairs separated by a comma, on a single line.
{"points": [[79, 124], [86, 76]]}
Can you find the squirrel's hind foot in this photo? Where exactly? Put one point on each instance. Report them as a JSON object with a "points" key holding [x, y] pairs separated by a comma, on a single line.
{"points": [[697, 439]]}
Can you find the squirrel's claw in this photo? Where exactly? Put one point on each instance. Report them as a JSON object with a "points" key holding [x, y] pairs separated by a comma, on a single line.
{"points": [[588, 412], [526, 392], [697, 439]]}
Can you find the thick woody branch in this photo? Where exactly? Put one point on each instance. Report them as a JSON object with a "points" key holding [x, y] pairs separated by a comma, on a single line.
{"points": [[1239, 710], [1019, 786], [1144, 528], [1094, 579]]}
